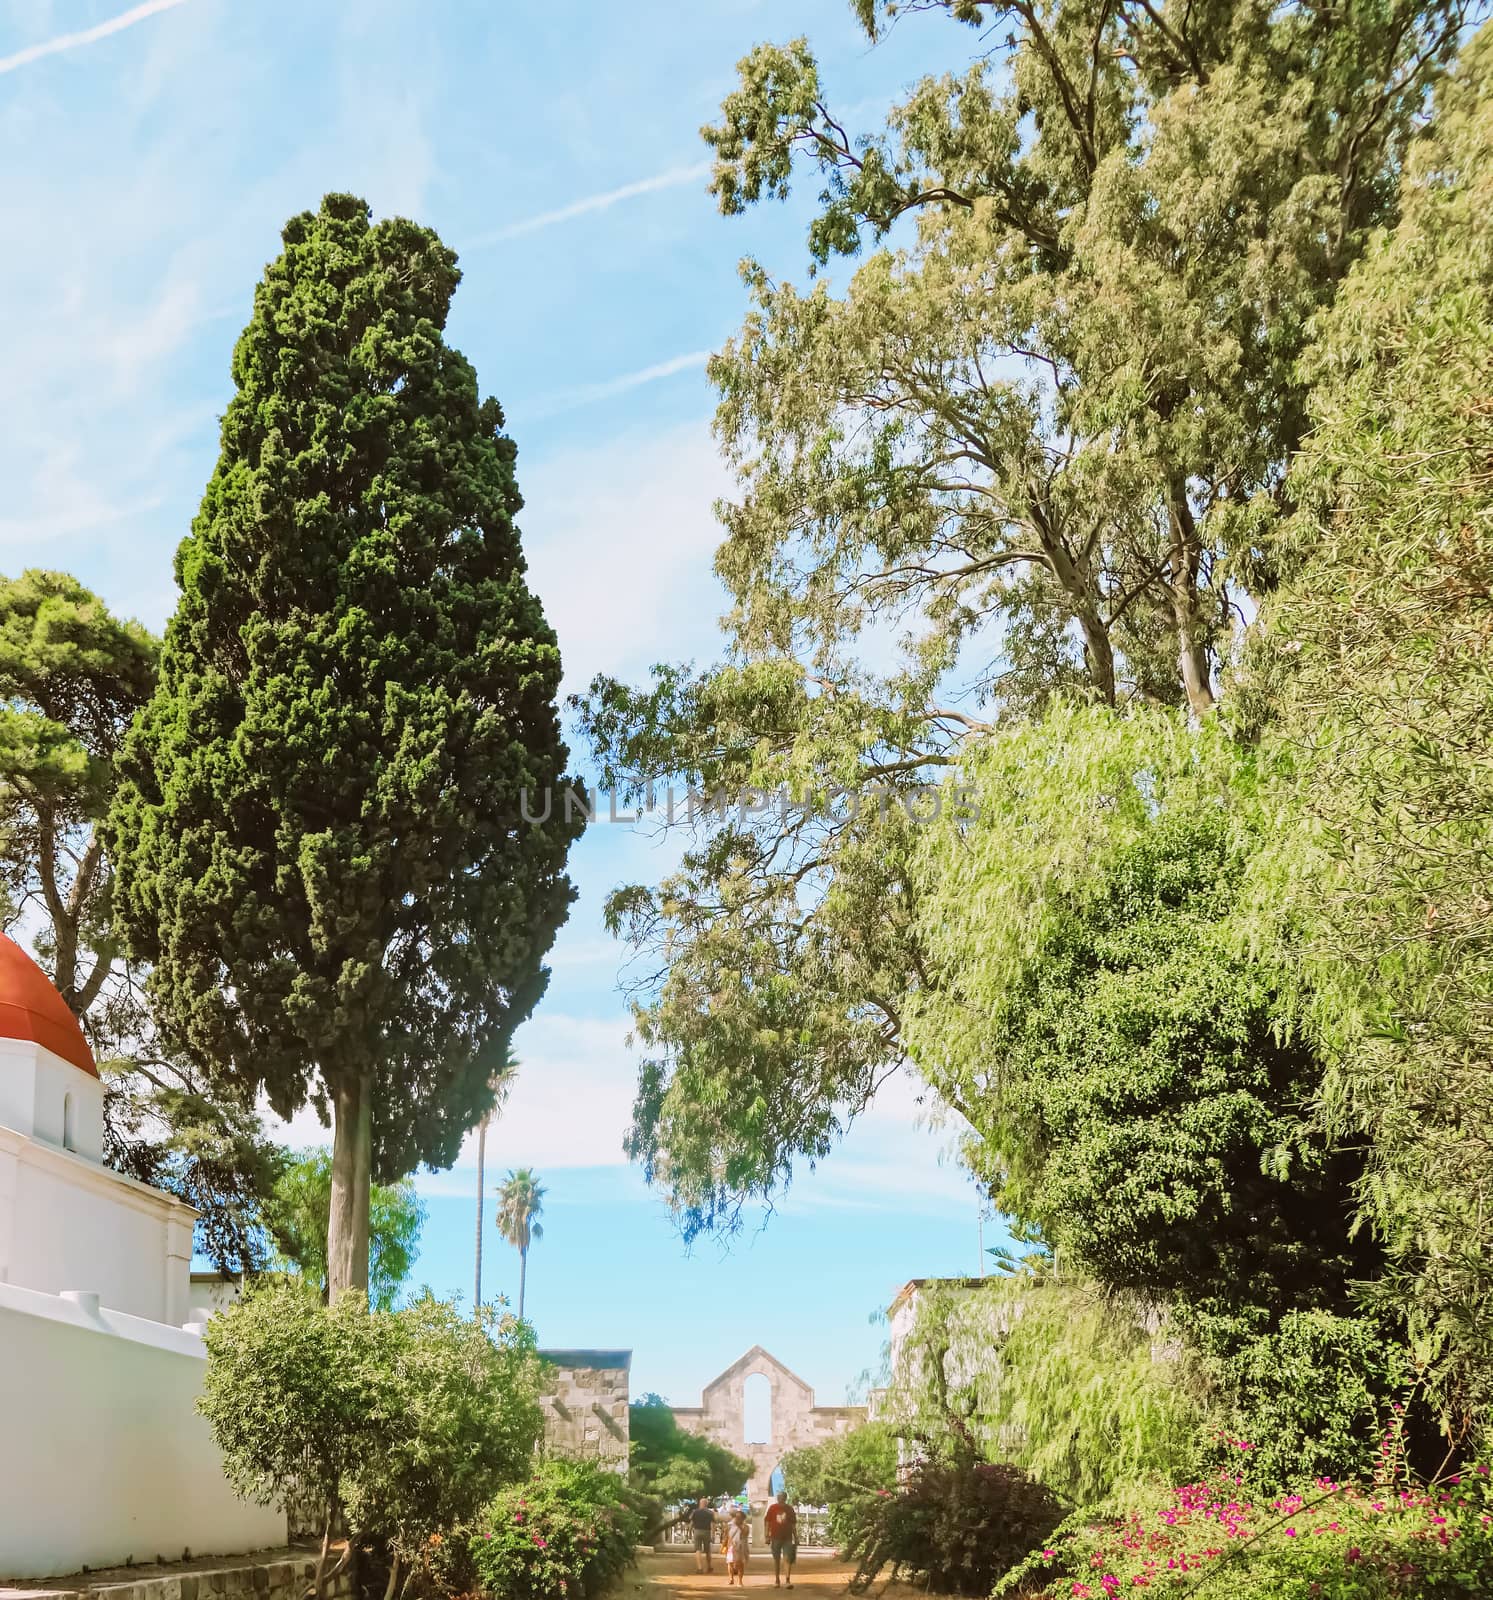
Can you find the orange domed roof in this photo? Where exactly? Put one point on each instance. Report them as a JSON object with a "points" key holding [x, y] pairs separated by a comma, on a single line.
{"points": [[31, 1008]]}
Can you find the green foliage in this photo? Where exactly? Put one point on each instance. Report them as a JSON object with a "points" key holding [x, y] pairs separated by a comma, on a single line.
{"points": [[791, 932], [297, 1219], [1036, 436], [1138, 1090], [184, 1131], [1309, 1394], [72, 676], [955, 1527], [859, 1462], [520, 1200], [1139, 1081], [1376, 654], [1076, 1385], [672, 1466], [1324, 1541], [455, 1413], [843, 1473], [406, 1422], [565, 1534], [285, 1393], [318, 834]]}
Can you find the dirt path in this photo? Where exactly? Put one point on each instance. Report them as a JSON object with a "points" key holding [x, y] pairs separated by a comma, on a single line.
{"points": [[671, 1575]]}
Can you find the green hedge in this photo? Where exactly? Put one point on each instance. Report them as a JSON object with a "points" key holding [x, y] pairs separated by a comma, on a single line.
{"points": [[565, 1534]]}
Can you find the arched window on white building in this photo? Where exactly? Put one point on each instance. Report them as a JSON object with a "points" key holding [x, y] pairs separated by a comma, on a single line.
{"points": [[69, 1122]]}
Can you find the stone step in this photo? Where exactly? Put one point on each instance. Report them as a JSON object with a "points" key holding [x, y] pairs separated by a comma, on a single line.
{"points": [[266, 1575]]}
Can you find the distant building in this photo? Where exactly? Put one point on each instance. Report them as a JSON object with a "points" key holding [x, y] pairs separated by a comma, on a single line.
{"points": [[795, 1421], [902, 1314], [966, 1359], [586, 1405]]}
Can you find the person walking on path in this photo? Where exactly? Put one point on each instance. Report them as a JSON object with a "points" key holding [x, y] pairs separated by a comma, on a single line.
{"points": [[782, 1538], [737, 1541], [702, 1521]]}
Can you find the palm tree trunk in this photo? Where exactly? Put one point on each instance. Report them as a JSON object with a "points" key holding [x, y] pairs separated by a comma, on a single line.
{"points": [[481, 1163], [523, 1278]]}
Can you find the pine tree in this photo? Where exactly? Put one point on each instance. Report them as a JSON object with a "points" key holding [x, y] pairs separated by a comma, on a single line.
{"points": [[319, 833]]}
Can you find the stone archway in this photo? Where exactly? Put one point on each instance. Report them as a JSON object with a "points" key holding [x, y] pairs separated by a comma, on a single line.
{"points": [[796, 1421]]}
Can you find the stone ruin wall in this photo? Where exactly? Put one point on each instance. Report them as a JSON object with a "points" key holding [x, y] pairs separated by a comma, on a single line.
{"points": [[797, 1423], [585, 1412]]}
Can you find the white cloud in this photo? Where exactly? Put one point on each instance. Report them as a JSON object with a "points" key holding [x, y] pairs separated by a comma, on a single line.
{"points": [[620, 538], [588, 393], [85, 36], [569, 1105], [671, 179]]}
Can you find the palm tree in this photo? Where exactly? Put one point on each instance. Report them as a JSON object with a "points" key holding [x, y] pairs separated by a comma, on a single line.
{"points": [[520, 1201], [502, 1079]]}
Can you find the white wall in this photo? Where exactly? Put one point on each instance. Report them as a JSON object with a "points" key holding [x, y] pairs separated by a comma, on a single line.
{"points": [[35, 1086], [67, 1223], [103, 1458]]}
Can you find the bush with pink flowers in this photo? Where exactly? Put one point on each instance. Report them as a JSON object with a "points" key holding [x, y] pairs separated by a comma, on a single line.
{"points": [[565, 1534], [1326, 1541]]}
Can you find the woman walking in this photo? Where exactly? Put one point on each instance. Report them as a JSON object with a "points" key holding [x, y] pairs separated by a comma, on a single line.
{"points": [[736, 1539]]}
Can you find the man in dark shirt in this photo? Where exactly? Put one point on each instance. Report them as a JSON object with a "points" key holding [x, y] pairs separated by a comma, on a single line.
{"points": [[782, 1537], [702, 1524]]}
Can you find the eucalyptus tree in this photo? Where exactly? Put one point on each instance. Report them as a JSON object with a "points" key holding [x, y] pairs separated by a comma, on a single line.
{"points": [[1038, 435], [318, 834]]}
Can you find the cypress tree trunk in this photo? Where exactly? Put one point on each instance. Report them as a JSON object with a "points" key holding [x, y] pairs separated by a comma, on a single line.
{"points": [[481, 1164], [352, 1177]]}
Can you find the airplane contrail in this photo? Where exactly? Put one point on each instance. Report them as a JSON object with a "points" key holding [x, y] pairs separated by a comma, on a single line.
{"points": [[568, 399], [595, 202], [102, 30]]}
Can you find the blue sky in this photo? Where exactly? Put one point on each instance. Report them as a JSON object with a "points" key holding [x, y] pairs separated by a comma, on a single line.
{"points": [[152, 154]]}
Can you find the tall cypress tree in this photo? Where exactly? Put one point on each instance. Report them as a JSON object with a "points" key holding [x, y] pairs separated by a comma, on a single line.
{"points": [[319, 835]]}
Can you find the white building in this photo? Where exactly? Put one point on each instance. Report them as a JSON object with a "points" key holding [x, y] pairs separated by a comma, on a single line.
{"points": [[105, 1459]]}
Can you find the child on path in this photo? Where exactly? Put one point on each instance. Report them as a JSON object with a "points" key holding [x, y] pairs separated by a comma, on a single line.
{"points": [[736, 1539]]}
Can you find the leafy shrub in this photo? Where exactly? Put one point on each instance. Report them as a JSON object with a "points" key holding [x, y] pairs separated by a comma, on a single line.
{"points": [[1328, 1541], [842, 1473], [1071, 1382], [1311, 1394], [954, 1526], [671, 1465], [402, 1423], [563, 1535]]}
